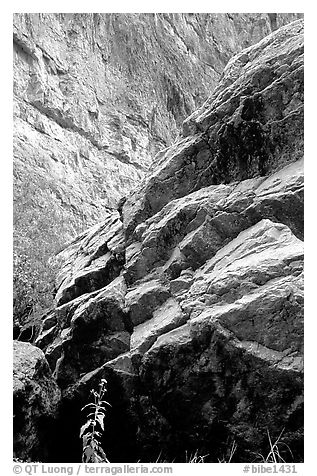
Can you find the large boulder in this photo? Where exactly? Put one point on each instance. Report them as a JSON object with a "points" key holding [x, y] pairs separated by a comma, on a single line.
{"points": [[36, 399], [199, 331]]}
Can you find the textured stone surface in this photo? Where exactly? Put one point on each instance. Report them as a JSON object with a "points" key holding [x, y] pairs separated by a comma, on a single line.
{"points": [[248, 127], [96, 96], [96, 256], [200, 332], [191, 229], [86, 332], [36, 397]]}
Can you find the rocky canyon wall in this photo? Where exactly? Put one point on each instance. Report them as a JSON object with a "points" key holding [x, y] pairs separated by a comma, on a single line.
{"points": [[96, 96], [189, 297]]}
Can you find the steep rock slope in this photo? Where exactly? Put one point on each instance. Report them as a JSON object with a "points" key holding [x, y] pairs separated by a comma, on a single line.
{"points": [[97, 95], [189, 299]]}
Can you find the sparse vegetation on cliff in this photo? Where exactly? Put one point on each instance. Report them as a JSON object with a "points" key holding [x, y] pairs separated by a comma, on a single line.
{"points": [[37, 238]]}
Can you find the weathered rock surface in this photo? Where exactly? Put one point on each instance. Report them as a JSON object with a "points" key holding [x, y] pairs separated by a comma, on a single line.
{"points": [[191, 229], [36, 398], [249, 126], [199, 328], [96, 256], [96, 96]]}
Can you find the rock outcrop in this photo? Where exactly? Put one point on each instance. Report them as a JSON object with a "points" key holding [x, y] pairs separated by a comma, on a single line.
{"points": [[189, 298], [96, 96], [36, 399]]}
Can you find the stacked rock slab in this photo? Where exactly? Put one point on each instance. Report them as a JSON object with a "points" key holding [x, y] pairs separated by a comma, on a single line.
{"points": [[189, 300]]}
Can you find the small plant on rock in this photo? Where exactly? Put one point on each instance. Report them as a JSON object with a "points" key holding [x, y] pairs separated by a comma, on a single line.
{"points": [[92, 430]]}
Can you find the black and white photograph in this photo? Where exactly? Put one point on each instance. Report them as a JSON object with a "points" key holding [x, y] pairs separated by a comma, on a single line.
{"points": [[158, 227]]}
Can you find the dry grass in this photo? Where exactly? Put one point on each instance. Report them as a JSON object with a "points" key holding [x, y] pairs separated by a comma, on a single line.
{"points": [[195, 458], [232, 451], [274, 455]]}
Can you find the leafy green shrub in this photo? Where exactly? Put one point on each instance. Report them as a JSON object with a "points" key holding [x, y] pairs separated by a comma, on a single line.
{"points": [[32, 290], [92, 430], [38, 234]]}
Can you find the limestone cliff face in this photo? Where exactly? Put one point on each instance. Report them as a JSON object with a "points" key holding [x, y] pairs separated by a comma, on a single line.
{"points": [[96, 96], [189, 298]]}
